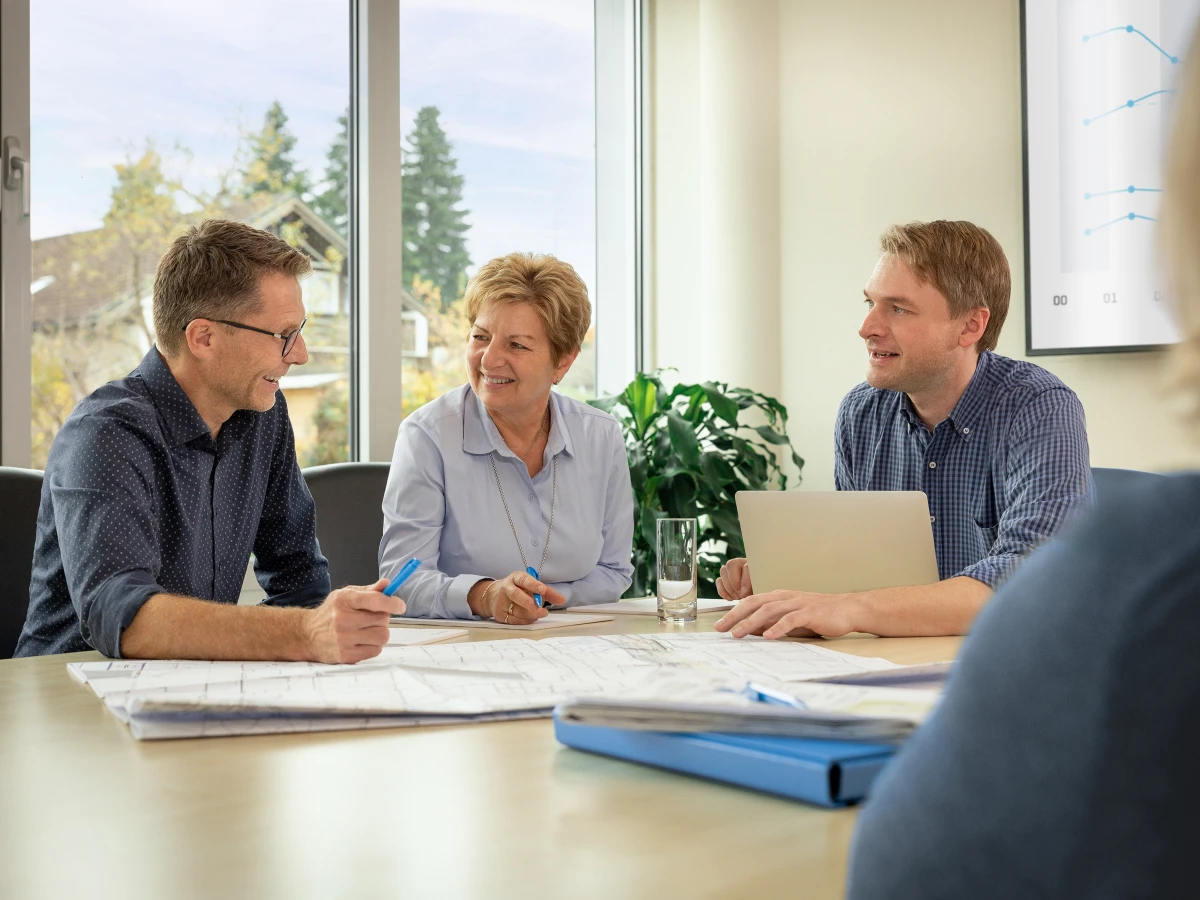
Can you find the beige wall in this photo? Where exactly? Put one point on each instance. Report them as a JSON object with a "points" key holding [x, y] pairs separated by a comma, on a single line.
{"points": [[887, 112], [716, 246]]}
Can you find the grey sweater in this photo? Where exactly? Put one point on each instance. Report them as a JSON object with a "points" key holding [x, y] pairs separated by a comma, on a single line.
{"points": [[1065, 759]]}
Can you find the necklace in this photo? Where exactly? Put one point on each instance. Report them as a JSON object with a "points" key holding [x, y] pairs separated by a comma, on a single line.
{"points": [[512, 525], [541, 430]]}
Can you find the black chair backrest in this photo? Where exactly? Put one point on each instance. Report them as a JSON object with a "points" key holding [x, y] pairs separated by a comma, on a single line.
{"points": [[1109, 480], [349, 499], [20, 495]]}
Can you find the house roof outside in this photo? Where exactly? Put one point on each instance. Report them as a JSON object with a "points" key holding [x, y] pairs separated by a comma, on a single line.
{"points": [[89, 276], [75, 277]]}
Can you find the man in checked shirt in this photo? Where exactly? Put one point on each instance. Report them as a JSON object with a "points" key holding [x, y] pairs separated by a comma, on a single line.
{"points": [[998, 445]]}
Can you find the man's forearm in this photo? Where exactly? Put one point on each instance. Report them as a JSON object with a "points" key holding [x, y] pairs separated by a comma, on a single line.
{"points": [[924, 610], [172, 627]]}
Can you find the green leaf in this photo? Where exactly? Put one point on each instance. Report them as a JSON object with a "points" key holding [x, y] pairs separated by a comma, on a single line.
{"points": [[642, 399], [728, 524], [683, 439], [718, 472], [649, 529], [722, 405], [678, 496], [770, 435], [606, 404], [637, 467], [685, 390]]}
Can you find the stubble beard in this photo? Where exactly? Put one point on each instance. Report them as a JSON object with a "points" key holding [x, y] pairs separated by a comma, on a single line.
{"points": [[244, 396], [915, 377]]}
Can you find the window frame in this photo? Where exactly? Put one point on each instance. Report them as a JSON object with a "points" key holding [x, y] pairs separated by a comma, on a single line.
{"points": [[376, 280], [16, 302], [622, 214]]}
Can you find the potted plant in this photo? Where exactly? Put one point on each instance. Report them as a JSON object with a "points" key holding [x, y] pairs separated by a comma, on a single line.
{"points": [[689, 454]]}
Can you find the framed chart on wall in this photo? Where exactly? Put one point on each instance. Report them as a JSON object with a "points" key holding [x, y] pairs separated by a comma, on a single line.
{"points": [[1098, 79]]}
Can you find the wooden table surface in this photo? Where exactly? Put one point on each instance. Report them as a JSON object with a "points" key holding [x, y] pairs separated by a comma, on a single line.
{"points": [[480, 811]]}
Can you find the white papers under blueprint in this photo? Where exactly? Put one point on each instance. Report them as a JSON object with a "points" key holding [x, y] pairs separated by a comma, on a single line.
{"points": [[444, 683], [831, 711]]}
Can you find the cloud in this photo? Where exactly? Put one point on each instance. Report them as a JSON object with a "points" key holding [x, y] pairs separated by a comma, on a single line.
{"points": [[571, 15], [514, 82]]}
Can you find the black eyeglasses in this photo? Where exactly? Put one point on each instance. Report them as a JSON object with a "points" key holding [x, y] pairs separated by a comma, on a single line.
{"points": [[289, 339]]}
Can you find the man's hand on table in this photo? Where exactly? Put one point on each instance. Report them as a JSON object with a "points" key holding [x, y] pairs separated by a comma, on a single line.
{"points": [[351, 625], [791, 614]]}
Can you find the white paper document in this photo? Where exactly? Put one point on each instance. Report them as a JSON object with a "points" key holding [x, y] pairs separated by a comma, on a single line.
{"points": [[646, 606], [444, 683], [122, 675], [558, 619], [830, 711], [410, 637]]}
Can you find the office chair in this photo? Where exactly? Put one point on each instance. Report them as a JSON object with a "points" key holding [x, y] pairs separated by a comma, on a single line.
{"points": [[349, 499], [20, 495], [1109, 480]]}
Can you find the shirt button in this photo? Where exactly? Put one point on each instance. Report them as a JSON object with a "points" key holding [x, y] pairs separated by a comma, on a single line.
{"points": [[966, 431], [933, 465], [932, 519], [532, 498], [535, 542]]}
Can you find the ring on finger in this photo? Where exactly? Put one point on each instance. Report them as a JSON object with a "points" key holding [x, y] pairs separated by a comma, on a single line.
{"points": [[510, 607], [506, 618]]}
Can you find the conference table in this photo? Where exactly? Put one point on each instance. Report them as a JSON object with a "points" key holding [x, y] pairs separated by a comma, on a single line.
{"points": [[492, 810]]}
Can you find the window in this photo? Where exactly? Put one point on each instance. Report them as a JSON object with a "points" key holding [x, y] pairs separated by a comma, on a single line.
{"points": [[147, 117], [498, 118]]}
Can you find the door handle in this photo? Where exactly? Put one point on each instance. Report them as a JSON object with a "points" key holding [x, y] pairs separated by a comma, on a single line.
{"points": [[16, 172]]}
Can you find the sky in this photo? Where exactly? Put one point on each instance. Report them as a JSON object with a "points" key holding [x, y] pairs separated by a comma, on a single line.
{"points": [[513, 80]]}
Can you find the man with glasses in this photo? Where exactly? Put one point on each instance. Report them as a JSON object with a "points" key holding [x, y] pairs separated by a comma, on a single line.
{"points": [[161, 484]]}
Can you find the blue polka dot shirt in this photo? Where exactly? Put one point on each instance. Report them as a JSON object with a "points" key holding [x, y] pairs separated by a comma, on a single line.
{"points": [[1003, 472], [139, 499]]}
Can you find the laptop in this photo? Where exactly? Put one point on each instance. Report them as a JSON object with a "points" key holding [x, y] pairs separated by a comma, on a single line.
{"points": [[836, 541]]}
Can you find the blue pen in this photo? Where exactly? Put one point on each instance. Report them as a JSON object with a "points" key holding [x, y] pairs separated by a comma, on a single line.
{"points": [[537, 598], [767, 695], [402, 576]]}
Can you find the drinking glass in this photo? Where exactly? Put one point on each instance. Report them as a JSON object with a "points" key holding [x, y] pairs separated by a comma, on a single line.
{"points": [[677, 570]]}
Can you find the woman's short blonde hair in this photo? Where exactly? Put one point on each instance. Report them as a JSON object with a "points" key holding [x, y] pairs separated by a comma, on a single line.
{"points": [[1181, 225], [549, 285]]}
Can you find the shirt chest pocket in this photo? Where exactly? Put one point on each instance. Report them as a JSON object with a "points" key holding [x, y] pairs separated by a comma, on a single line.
{"points": [[985, 508]]}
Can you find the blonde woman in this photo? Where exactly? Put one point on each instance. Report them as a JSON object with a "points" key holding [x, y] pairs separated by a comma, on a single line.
{"points": [[503, 474], [1063, 759]]}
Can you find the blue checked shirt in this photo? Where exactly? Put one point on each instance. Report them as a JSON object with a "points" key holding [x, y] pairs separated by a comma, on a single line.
{"points": [[1003, 472]]}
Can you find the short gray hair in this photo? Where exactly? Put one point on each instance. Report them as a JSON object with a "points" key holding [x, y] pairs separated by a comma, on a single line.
{"points": [[212, 271]]}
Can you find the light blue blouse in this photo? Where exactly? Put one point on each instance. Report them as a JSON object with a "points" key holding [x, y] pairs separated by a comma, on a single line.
{"points": [[442, 505]]}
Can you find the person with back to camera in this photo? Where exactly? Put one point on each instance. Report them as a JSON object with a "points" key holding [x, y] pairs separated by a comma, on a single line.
{"points": [[1062, 761], [503, 474]]}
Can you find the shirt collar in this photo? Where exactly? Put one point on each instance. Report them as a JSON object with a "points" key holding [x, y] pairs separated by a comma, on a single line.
{"points": [[480, 435], [909, 412], [968, 412], [175, 408]]}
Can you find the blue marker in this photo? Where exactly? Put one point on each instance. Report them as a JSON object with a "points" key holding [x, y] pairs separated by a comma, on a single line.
{"points": [[402, 576], [537, 598], [767, 695]]}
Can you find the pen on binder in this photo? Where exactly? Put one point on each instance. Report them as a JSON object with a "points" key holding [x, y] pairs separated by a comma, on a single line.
{"points": [[402, 576], [768, 695], [537, 598]]}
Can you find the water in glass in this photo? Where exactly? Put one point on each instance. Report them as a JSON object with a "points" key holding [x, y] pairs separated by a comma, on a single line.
{"points": [[676, 570]]}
